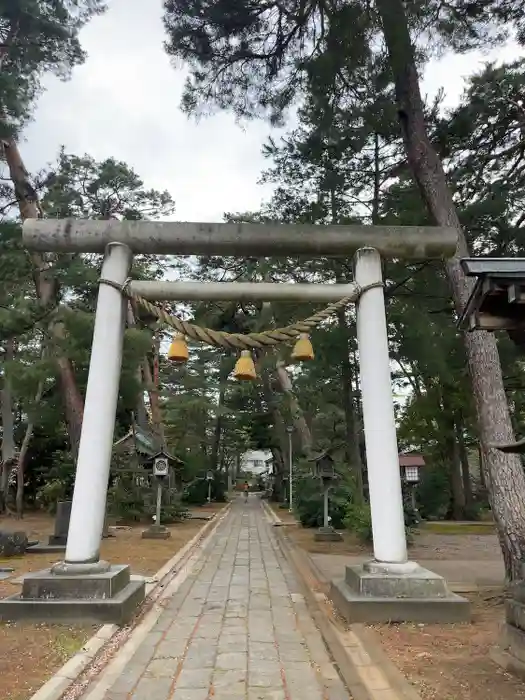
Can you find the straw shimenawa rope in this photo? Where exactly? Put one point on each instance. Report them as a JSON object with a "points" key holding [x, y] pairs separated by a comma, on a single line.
{"points": [[239, 341]]}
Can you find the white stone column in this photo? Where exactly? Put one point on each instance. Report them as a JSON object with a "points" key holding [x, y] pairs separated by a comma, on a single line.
{"points": [[384, 478], [96, 440]]}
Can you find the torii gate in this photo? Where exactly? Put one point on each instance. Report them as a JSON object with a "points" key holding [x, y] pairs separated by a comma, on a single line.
{"points": [[105, 592]]}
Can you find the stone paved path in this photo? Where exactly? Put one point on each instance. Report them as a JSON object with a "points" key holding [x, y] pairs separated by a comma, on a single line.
{"points": [[237, 629]]}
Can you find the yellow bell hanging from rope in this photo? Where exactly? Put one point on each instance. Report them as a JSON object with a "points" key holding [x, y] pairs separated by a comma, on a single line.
{"points": [[245, 368], [303, 350], [178, 351]]}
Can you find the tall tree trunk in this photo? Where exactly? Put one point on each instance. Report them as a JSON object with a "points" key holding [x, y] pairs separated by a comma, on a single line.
{"points": [[236, 468], [377, 181], [141, 413], [280, 449], [504, 474], [299, 421], [152, 381], [465, 466], [47, 291], [352, 447], [22, 457], [452, 456], [481, 468], [217, 431], [278, 473], [456, 482], [224, 371], [8, 427], [20, 469], [410, 375]]}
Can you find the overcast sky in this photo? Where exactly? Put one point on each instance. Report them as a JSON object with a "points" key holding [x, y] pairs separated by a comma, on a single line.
{"points": [[124, 103]]}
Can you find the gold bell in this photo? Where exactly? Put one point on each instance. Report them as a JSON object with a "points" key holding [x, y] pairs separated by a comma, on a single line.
{"points": [[303, 350], [178, 351], [245, 368]]}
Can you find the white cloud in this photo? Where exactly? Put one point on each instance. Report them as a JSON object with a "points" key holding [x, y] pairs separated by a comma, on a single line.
{"points": [[124, 102]]}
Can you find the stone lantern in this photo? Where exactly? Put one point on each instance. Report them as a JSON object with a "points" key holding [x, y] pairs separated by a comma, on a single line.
{"points": [[324, 469], [161, 469]]}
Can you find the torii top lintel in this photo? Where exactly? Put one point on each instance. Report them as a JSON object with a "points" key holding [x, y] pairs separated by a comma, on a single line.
{"points": [[246, 239]]}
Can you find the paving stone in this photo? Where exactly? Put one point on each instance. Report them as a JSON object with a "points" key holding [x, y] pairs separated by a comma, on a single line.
{"points": [[200, 655], [162, 668], [293, 652], [128, 679], [211, 632], [304, 678], [189, 694], [235, 692], [148, 688], [194, 678], [232, 643], [231, 661], [235, 628], [266, 694], [171, 648], [260, 651], [229, 678]]}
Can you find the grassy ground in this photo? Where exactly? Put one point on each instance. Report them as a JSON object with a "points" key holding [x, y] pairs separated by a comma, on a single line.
{"points": [[452, 528], [30, 654]]}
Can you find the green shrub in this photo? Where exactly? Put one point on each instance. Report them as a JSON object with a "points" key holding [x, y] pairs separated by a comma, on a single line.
{"points": [[127, 501], [412, 516], [172, 509], [358, 519], [59, 482], [196, 492], [53, 491], [433, 493], [308, 502]]}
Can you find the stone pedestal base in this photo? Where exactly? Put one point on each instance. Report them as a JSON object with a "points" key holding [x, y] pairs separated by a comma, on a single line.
{"points": [[73, 596], [156, 532], [377, 592], [510, 651], [57, 540], [46, 549], [327, 534]]}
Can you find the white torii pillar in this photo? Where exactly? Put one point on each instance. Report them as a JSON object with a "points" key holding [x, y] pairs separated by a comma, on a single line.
{"points": [[96, 440], [382, 459]]}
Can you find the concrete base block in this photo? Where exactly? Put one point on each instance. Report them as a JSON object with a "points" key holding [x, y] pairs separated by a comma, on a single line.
{"points": [[60, 540], [49, 586], [106, 597], [515, 613], [46, 549], [372, 581], [156, 532], [516, 590], [327, 534], [369, 595], [510, 651]]}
